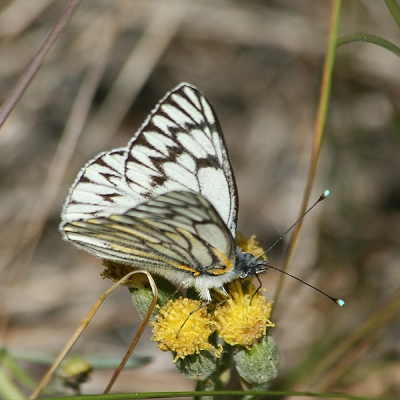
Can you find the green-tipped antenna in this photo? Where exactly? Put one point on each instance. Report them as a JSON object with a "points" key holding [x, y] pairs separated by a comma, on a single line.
{"points": [[323, 196], [339, 302]]}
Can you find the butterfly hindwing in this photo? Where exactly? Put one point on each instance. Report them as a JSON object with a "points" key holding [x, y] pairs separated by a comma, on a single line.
{"points": [[177, 231]]}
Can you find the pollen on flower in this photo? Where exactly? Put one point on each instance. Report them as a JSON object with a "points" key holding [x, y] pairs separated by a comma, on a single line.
{"points": [[250, 245], [172, 333], [244, 316]]}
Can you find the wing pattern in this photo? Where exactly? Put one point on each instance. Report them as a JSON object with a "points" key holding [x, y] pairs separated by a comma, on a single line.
{"points": [[180, 147], [178, 235], [167, 202]]}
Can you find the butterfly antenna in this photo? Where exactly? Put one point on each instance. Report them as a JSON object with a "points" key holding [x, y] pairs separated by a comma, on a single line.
{"points": [[322, 197], [339, 302]]}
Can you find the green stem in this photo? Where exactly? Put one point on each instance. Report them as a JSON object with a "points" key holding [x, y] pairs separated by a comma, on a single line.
{"points": [[394, 9], [368, 38], [319, 126]]}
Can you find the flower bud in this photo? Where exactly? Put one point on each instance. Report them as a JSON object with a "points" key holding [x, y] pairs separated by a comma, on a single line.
{"points": [[258, 365]]}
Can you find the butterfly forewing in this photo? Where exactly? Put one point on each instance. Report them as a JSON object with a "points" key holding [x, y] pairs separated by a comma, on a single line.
{"points": [[180, 147], [99, 188]]}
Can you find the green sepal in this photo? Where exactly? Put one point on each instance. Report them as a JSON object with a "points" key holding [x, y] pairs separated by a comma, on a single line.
{"points": [[197, 367], [142, 295], [258, 365]]}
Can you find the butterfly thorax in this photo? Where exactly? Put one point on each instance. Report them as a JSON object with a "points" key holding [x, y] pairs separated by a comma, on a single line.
{"points": [[245, 266]]}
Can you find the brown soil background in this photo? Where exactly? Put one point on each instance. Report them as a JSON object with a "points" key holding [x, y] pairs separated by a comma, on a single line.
{"points": [[259, 63]]}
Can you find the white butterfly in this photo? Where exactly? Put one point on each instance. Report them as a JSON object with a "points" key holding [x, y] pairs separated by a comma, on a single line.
{"points": [[167, 202]]}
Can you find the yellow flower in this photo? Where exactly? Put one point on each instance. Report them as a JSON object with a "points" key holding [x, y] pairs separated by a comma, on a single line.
{"points": [[250, 245], [244, 316], [174, 332]]}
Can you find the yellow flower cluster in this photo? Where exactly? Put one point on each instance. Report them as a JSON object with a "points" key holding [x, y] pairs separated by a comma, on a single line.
{"points": [[184, 327]]}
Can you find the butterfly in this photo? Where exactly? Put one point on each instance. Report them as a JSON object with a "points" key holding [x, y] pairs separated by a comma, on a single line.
{"points": [[167, 202]]}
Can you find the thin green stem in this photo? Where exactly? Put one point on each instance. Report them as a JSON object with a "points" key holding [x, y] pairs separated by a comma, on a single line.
{"points": [[319, 126], [230, 394], [368, 38], [394, 9], [8, 387]]}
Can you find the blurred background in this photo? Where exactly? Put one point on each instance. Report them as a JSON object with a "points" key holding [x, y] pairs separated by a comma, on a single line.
{"points": [[259, 63]]}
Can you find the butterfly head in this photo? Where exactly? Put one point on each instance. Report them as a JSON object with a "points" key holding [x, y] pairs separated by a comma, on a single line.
{"points": [[248, 265]]}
